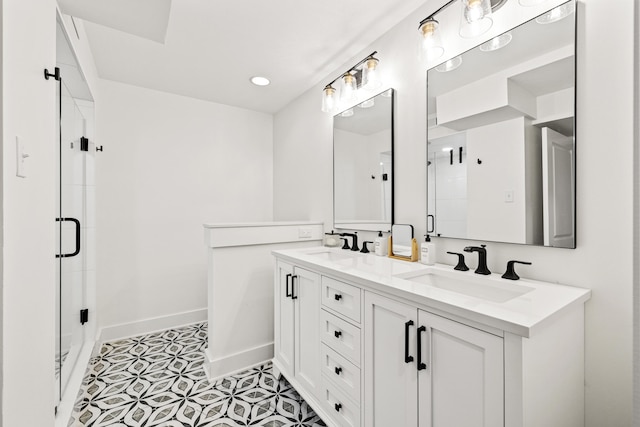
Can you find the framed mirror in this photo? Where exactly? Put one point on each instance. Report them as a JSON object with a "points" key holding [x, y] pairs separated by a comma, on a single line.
{"points": [[363, 165], [501, 137]]}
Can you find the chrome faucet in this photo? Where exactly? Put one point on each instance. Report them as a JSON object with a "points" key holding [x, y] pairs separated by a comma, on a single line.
{"points": [[482, 258], [354, 240]]}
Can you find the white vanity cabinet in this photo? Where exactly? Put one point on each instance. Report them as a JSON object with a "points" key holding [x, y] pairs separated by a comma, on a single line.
{"points": [[297, 319], [434, 371], [367, 347]]}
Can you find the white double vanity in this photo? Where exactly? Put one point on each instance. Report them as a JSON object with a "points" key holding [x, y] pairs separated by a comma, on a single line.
{"points": [[373, 341]]}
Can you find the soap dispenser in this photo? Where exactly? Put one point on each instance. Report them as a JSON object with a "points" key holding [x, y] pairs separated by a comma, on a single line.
{"points": [[381, 244], [428, 251]]}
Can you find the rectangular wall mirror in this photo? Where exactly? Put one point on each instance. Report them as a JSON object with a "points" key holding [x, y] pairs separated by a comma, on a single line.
{"points": [[501, 137], [363, 165]]}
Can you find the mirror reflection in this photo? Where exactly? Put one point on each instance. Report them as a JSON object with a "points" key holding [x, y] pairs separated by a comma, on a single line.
{"points": [[363, 165], [501, 137]]}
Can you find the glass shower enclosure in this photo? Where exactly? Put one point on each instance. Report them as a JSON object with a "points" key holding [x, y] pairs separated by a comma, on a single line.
{"points": [[74, 219]]}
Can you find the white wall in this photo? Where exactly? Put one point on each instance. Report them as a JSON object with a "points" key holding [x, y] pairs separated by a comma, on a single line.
{"points": [[28, 204], [603, 258], [170, 164]]}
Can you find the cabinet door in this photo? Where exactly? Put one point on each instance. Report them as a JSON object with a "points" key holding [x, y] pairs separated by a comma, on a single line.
{"points": [[284, 318], [462, 380], [306, 294], [391, 381]]}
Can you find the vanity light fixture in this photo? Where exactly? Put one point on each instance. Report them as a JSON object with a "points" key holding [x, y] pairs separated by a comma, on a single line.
{"points": [[364, 75], [475, 20], [497, 42], [450, 65], [556, 14]]}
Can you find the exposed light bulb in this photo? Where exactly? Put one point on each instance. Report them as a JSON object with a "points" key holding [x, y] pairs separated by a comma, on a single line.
{"points": [[476, 18], [328, 99], [431, 42], [349, 88], [473, 12], [370, 76]]}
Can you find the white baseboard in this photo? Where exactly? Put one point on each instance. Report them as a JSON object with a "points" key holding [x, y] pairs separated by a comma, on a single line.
{"points": [[234, 363], [147, 326]]}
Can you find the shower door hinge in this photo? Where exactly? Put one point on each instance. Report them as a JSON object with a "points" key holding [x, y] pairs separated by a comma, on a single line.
{"points": [[84, 316]]}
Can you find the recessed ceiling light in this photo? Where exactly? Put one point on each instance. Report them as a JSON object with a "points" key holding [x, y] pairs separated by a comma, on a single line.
{"points": [[260, 81], [496, 42]]}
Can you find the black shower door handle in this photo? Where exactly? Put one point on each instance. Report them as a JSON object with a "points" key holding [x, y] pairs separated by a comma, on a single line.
{"points": [[433, 223], [77, 224]]}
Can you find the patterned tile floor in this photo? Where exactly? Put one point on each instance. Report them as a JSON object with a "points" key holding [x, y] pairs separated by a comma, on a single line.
{"points": [[158, 380]]}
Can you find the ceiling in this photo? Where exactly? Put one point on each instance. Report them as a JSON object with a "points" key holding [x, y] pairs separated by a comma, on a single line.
{"points": [[209, 49]]}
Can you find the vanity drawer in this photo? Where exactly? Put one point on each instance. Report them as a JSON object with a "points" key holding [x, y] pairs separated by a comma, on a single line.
{"points": [[342, 372], [341, 297], [341, 336], [342, 409]]}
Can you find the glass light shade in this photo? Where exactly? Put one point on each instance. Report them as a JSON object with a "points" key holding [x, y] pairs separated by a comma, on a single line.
{"points": [[476, 18], [328, 99], [347, 113], [556, 14], [431, 47], [368, 103], [529, 3], [497, 42], [349, 89], [370, 75], [450, 65]]}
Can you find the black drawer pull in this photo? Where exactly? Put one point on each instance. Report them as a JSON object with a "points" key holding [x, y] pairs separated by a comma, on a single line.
{"points": [[337, 297], [407, 358], [338, 370], [287, 287], [337, 334], [338, 406], [421, 364], [293, 287]]}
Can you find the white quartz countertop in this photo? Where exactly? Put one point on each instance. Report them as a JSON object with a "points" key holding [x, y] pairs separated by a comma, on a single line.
{"points": [[538, 305]]}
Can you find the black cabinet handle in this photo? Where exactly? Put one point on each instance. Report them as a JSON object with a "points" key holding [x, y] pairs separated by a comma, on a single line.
{"points": [[287, 279], [337, 334], [338, 370], [338, 406], [293, 287], [337, 297], [421, 365], [77, 250], [407, 357], [433, 223]]}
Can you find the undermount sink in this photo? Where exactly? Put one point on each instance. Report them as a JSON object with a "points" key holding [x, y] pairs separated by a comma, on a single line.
{"points": [[334, 256], [479, 287]]}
